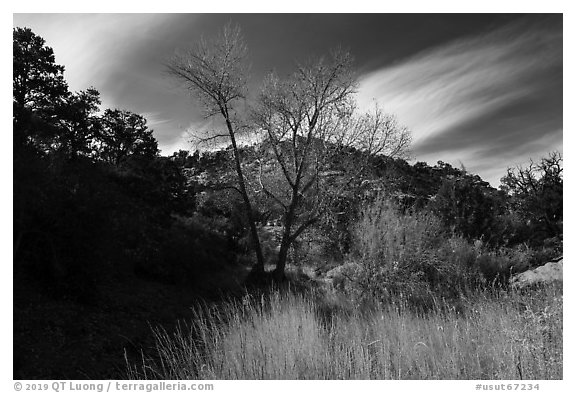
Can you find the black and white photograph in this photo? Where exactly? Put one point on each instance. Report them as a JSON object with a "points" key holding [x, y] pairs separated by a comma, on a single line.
{"points": [[287, 196]]}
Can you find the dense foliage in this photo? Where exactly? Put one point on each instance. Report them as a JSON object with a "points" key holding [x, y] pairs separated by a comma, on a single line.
{"points": [[92, 197]]}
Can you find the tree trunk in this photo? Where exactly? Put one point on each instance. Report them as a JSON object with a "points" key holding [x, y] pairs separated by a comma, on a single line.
{"points": [[285, 243], [255, 239], [282, 257], [17, 248]]}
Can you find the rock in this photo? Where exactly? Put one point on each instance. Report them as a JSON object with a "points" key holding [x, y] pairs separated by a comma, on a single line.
{"points": [[550, 272], [340, 275]]}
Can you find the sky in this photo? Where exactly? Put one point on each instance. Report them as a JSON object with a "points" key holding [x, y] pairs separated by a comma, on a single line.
{"points": [[483, 91]]}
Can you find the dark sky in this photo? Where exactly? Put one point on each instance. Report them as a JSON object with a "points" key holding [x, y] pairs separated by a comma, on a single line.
{"points": [[482, 90]]}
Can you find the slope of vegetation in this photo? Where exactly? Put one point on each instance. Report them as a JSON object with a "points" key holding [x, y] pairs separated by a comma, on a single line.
{"points": [[411, 301]]}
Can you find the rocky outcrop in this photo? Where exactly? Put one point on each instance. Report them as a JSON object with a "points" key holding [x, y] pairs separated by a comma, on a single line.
{"points": [[550, 272], [341, 275]]}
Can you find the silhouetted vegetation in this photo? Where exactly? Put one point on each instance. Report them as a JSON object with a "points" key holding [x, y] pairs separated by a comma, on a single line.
{"points": [[95, 207]]}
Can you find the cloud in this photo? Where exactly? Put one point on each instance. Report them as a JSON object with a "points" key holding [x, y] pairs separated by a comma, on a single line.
{"points": [[477, 97], [121, 56], [91, 45], [191, 137], [176, 143], [155, 119]]}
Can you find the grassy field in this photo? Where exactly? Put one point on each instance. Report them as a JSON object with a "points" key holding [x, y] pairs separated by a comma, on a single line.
{"points": [[284, 335]]}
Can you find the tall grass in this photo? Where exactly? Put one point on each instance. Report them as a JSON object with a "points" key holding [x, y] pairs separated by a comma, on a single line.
{"points": [[295, 336]]}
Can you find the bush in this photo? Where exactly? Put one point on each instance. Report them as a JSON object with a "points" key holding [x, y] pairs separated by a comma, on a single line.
{"points": [[498, 265], [406, 256], [189, 254], [410, 258]]}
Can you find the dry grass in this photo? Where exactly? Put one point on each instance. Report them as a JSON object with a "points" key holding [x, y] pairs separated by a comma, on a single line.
{"points": [[292, 336]]}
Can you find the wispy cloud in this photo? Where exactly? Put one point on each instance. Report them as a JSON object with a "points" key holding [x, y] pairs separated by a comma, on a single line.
{"points": [[476, 94], [176, 143], [121, 55], [155, 119], [191, 137], [479, 99], [92, 45]]}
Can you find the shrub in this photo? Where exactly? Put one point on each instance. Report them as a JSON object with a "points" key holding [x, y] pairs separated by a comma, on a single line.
{"points": [[498, 265], [191, 255], [409, 257]]}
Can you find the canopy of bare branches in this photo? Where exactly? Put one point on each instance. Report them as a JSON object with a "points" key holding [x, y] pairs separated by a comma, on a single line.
{"points": [[306, 120]]}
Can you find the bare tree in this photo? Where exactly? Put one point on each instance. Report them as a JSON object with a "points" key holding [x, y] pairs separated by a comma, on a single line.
{"points": [[536, 193], [216, 71], [309, 120]]}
